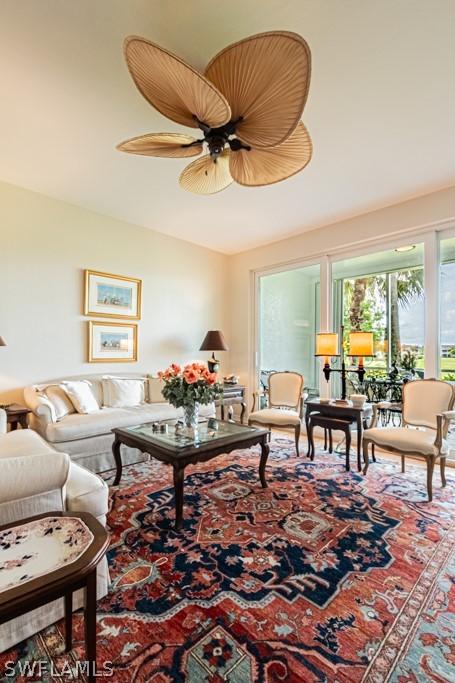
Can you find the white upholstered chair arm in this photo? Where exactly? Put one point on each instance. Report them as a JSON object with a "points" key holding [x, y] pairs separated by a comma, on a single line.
{"points": [[39, 405], [443, 423], [449, 415], [2, 421], [256, 397], [376, 408], [29, 475]]}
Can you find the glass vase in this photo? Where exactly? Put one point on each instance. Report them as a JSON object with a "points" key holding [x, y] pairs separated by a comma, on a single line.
{"points": [[191, 415]]}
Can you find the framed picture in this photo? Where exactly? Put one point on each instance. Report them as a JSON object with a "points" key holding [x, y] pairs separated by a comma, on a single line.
{"points": [[112, 342], [112, 296]]}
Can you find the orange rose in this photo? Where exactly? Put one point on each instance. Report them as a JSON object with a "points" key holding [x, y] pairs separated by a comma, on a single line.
{"points": [[175, 369], [211, 379], [190, 376]]}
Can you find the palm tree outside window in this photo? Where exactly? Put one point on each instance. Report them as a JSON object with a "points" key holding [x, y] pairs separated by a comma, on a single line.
{"points": [[383, 293]]}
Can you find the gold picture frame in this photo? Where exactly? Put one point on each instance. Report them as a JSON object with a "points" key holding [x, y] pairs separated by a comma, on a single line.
{"points": [[112, 342], [112, 296]]}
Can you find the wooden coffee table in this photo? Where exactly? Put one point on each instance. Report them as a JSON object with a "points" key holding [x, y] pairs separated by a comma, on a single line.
{"points": [[50, 556], [179, 449]]}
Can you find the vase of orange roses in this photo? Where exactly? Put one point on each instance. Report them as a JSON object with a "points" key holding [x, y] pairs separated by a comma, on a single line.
{"points": [[188, 388]]}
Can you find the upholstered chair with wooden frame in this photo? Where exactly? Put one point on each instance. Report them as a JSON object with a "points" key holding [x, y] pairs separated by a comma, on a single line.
{"points": [[285, 404], [427, 412]]}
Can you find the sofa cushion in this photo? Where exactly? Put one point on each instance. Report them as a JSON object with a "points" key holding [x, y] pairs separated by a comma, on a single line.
{"points": [[407, 439], [22, 442], [121, 393], [81, 396], [275, 416], [86, 492], [155, 387], [77, 426], [59, 399]]}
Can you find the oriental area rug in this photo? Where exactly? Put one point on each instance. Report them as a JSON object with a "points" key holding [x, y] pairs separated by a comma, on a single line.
{"points": [[326, 575]]}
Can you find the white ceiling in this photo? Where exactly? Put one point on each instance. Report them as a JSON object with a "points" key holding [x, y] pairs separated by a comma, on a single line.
{"points": [[380, 109]]}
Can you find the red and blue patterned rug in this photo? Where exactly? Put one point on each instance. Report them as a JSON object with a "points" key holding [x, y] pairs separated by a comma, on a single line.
{"points": [[324, 576]]}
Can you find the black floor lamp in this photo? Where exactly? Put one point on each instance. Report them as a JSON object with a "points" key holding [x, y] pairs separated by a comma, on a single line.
{"points": [[360, 346]]}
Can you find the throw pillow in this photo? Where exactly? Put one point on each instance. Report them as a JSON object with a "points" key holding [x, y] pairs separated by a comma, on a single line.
{"points": [[60, 400], [119, 392], [155, 389], [81, 396]]}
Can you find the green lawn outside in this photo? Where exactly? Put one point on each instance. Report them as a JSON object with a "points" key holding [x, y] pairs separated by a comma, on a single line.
{"points": [[446, 364]]}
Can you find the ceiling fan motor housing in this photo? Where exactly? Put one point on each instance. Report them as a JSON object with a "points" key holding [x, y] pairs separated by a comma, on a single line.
{"points": [[216, 144]]}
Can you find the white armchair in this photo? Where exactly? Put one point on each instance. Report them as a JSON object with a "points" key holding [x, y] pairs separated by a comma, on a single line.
{"points": [[427, 412], [285, 404], [34, 479]]}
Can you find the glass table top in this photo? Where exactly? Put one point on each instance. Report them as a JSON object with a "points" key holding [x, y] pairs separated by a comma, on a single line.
{"points": [[175, 435]]}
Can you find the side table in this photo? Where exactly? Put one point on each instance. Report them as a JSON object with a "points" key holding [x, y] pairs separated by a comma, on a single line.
{"points": [[47, 557], [233, 394], [357, 416], [16, 414]]}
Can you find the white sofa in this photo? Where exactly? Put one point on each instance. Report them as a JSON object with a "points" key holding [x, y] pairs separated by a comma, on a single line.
{"points": [[88, 438], [34, 478]]}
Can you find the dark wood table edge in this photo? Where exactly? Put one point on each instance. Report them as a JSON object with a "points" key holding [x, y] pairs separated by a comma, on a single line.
{"points": [[359, 416], [80, 574]]}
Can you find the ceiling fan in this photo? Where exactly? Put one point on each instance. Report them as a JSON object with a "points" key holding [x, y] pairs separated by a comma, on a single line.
{"points": [[247, 105]]}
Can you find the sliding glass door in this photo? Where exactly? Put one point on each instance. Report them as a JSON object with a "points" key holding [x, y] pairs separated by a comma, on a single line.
{"points": [[287, 323]]}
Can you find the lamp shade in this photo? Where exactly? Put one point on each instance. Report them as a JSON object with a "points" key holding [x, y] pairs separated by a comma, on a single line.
{"points": [[2, 342], [327, 344], [214, 341], [361, 344]]}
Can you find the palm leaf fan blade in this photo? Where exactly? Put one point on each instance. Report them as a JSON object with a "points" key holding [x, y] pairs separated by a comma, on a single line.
{"points": [[267, 166], [204, 176], [265, 78], [173, 87], [162, 145]]}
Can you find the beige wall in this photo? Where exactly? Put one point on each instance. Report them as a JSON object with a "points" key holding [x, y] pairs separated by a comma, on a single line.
{"points": [[387, 222], [46, 244], [44, 247]]}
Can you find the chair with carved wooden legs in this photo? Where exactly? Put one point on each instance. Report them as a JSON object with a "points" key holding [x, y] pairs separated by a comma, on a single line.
{"points": [[427, 412], [285, 404]]}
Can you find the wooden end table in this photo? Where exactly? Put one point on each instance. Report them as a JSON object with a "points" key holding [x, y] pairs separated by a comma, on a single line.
{"points": [[57, 567], [16, 414], [175, 448], [357, 416], [233, 394]]}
